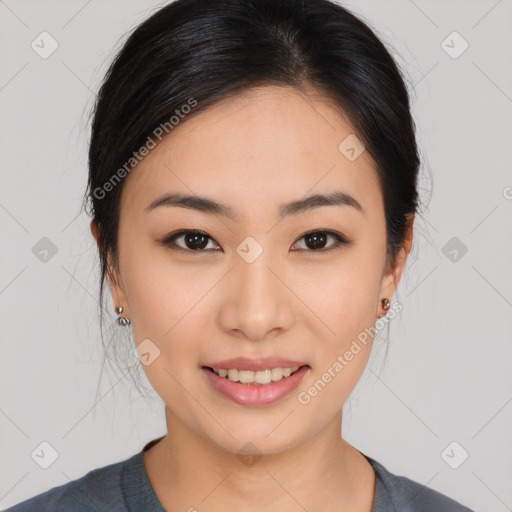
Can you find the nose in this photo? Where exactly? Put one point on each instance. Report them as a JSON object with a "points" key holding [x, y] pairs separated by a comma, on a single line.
{"points": [[257, 304]]}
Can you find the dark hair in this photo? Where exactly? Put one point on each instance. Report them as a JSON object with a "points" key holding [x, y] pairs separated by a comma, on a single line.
{"points": [[204, 51]]}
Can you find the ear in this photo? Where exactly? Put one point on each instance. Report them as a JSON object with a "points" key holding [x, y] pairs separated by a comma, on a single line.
{"points": [[94, 230], [113, 280], [393, 272]]}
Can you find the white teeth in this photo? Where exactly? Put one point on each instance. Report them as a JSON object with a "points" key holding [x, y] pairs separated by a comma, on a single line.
{"points": [[258, 377]]}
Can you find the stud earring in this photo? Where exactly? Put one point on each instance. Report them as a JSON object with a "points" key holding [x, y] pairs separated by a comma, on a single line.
{"points": [[122, 320], [385, 305]]}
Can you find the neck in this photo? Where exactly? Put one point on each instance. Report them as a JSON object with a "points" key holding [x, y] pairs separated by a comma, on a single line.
{"points": [[187, 471]]}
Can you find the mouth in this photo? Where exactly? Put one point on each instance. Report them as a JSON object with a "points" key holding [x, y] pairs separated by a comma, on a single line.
{"points": [[253, 388], [255, 378]]}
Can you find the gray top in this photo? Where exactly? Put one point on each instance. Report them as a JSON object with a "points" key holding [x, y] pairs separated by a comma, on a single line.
{"points": [[125, 486]]}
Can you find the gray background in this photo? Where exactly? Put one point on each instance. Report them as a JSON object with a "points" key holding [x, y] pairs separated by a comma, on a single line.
{"points": [[447, 377]]}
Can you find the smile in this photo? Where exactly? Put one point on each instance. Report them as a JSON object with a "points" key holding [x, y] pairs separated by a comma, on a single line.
{"points": [[251, 392], [258, 377]]}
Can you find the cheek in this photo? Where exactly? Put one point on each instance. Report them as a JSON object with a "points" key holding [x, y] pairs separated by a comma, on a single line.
{"points": [[347, 306], [168, 306], [166, 309], [345, 303], [342, 295], [159, 292]]}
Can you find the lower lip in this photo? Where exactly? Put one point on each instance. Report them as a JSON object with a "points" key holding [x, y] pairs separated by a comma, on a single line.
{"points": [[256, 394]]}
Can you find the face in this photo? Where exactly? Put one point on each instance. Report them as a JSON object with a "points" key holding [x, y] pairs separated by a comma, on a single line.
{"points": [[263, 281]]}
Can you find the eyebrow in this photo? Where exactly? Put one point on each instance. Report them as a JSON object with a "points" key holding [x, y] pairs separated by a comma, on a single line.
{"points": [[206, 205]]}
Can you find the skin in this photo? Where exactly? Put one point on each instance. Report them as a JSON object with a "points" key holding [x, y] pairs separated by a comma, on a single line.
{"points": [[253, 152]]}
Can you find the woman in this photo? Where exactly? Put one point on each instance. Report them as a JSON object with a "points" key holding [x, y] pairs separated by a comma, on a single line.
{"points": [[253, 185]]}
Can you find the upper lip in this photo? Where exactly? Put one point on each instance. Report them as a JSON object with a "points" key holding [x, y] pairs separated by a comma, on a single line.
{"points": [[263, 363]]}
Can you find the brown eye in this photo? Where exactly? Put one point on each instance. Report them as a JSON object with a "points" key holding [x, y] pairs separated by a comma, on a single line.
{"points": [[192, 241], [195, 241], [316, 241]]}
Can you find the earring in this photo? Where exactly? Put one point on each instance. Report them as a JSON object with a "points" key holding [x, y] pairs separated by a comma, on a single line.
{"points": [[122, 320], [385, 305]]}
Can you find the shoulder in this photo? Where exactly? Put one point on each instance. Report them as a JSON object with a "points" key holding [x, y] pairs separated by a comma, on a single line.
{"points": [[399, 493], [98, 490]]}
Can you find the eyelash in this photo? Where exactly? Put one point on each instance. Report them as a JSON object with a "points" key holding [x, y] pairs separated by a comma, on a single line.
{"points": [[169, 241]]}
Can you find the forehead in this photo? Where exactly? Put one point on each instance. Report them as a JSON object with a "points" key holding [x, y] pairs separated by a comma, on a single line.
{"points": [[255, 151]]}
